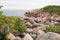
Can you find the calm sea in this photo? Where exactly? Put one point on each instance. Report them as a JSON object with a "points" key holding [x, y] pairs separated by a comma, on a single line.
{"points": [[14, 12]]}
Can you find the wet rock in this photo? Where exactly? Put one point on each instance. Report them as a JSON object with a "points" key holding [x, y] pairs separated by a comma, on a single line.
{"points": [[27, 37]]}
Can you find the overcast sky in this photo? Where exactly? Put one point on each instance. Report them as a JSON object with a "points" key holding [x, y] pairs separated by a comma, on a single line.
{"points": [[27, 4]]}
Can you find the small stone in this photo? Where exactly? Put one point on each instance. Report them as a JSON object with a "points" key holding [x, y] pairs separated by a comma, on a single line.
{"points": [[11, 36], [27, 37], [18, 38], [28, 30]]}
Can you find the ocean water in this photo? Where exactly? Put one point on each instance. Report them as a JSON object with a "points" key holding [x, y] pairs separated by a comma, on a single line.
{"points": [[14, 12]]}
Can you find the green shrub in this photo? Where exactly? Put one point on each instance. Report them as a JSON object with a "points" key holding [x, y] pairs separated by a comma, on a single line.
{"points": [[13, 22], [19, 25], [4, 31], [51, 9], [53, 28]]}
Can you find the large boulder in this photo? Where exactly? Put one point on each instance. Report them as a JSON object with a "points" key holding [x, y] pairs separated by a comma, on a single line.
{"points": [[40, 33], [50, 36], [27, 37]]}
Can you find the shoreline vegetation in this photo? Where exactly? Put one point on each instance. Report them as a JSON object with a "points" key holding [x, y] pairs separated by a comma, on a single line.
{"points": [[36, 25], [51, 9], [12, 23]]}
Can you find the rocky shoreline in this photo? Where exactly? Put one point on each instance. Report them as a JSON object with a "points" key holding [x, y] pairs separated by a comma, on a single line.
{"points": [[36, 23]]}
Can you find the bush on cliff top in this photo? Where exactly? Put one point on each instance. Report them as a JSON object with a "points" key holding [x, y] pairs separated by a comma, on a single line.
{"points": [[51, 9]]}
